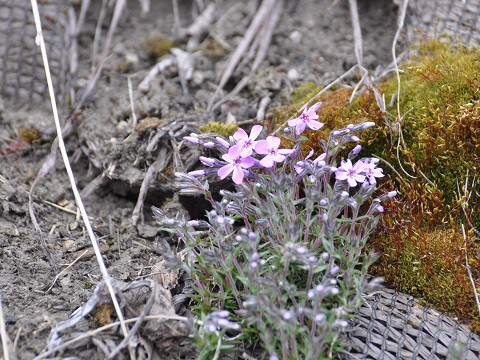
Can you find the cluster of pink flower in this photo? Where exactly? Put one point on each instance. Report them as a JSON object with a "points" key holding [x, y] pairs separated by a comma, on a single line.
{"points": [[242, 146]]}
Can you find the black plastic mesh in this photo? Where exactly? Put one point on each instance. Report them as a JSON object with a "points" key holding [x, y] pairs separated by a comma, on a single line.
{"points": [[393, 325], [22, 77], [457, 19]]}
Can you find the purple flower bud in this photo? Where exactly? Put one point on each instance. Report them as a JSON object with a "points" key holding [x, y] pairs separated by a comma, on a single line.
{"points": [[287, 315], [301, 249], [213, 213], [274, 357], [222, 313], [192, 139], [319, 317], [319, 288], [368, 125], [392, 194], [325, 256], [356, 149], [334, 291], [350, 126], [354, 138], [252, 235], [380, 209], [220, 219], [255, 256], [340, 323], [193, 223], [311, 294], [253, 264], [222, 142], [312, 259], [334, 270], [210, 327], [197, 173], [209, 145], [207, 161], [323, 202], [344, 194], [325, 217]]}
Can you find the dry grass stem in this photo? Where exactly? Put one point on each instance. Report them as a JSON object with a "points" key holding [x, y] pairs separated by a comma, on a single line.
{"points": [[467, 265], [257, 21], [357, 31], [3, 334], [64, 270], [71, 177]]}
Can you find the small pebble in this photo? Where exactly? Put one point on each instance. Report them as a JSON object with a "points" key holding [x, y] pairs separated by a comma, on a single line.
{"points": [[293, 75], [295, 36]]}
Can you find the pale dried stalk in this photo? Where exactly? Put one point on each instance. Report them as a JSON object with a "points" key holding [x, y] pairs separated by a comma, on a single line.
{"points": [[3, 334], [40, 40], [242, 47]]}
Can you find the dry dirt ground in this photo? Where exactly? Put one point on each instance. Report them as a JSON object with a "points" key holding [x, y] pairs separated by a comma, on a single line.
{"points": [[313, 41]]}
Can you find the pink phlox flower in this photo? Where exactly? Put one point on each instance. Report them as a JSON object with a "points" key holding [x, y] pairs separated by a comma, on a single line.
{"points": [[247, 141], [308, 118], [236, 164], [371, 171], [351, 173], [269, 147]]}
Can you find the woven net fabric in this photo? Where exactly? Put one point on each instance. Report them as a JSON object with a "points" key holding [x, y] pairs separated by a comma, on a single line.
{"points": [[22, 76], [393, 325], [456, 19]]}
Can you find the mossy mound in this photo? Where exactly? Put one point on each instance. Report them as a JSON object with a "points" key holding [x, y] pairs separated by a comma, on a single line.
{"points": [[419, 238]]}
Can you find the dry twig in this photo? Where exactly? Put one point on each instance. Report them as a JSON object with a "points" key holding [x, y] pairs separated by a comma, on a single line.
{"points": [[71, 177]]}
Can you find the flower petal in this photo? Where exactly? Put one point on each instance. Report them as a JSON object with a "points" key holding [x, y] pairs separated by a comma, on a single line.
{"points": [[315, 106], [256, 130], [314, 125], [273, 141], [247, 162], [351, 182], [341, 175], [238, 175], [240, 134], [262, 147], [224, 171], [285, 151], [267, 161], [300, 128], [293, 122]]}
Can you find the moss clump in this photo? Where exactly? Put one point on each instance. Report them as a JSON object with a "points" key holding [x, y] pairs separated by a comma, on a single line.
{"points": [[219, 128], [157, 46], [419, 237]]}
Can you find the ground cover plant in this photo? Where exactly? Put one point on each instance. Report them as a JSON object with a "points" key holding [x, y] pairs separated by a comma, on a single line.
{"points": [[279, 259], [431, 148]]}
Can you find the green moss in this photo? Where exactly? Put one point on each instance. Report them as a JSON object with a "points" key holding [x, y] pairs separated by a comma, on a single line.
{"points": [[419, 236], [157, 46], [219, 128]]}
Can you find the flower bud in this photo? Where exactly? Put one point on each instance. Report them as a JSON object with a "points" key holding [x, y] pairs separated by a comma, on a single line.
{"points": [[222, 142], [197, 173], [209, 145], [368, 125], [207, 161], [192, 139]]}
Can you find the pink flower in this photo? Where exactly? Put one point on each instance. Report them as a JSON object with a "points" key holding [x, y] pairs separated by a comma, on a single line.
{"points": [[350, 173], [307, 118], [247, 141], [371, 172], [269, 147], [236, 164]]}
